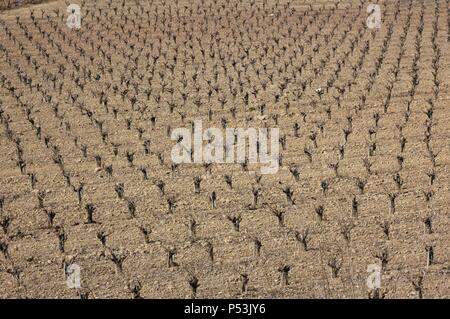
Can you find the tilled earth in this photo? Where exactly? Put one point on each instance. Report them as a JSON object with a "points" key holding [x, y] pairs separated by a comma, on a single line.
{"points": [[86, 117]]}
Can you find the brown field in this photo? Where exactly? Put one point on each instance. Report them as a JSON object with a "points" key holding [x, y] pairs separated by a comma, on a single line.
{"points": [[86, 117], [13, 4]]}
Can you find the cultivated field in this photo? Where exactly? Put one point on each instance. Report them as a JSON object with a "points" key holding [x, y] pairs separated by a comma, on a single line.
{"points": [[87, 179]]}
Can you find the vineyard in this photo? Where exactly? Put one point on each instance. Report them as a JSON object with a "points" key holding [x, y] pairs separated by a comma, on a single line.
{"points": [[88, 186]]}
